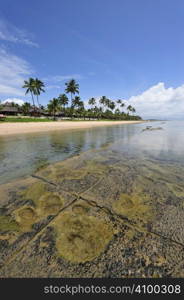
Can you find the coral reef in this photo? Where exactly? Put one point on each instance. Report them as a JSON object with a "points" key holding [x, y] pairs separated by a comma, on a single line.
{"points": [[94, 215]]}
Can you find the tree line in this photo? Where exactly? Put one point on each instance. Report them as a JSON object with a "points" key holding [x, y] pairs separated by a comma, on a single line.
{"points": [[104, 108]]}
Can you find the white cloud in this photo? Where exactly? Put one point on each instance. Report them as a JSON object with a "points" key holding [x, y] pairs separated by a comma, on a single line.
{"points": [[13, 71], [156, 102], [14, 100], [159, 102], [13, 34]]}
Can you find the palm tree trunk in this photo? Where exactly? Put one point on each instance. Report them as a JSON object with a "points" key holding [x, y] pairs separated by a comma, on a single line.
{"points": [[38, 106], [33, 102], [38, 101], [71, 99]]}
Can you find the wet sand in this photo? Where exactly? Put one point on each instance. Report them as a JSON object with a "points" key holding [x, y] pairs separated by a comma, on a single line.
{"points": [[18, 128]]}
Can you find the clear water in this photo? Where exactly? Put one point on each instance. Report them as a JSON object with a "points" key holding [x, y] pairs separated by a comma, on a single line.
{"points": [[22, 155]]}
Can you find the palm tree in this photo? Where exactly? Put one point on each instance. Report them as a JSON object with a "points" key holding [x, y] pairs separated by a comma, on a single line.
{"points": [[26, 107], [80, 108], [30, 88], [103, 100], [119, 101], [53, 106], [38, 88], [98, 112], [117, 111], [81, 105], [129, 108], [72, 87], [133, 110], [122, 105], [63, 100], [76, 102], [92, 102], [111, 105]]}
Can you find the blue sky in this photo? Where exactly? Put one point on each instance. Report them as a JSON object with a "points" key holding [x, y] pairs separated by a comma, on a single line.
{"points": [[128, 49]]}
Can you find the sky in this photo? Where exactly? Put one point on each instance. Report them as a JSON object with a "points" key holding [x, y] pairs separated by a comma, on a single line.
{"points": [[123, 49]]}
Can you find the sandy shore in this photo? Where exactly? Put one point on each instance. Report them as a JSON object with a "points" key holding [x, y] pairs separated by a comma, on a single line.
{"points": [[19, 128]]}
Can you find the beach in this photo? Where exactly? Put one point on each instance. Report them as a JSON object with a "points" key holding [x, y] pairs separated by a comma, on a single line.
{"points": [[21, 128]]}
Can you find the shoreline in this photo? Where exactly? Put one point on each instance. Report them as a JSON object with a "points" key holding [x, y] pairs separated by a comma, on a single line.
{"points": [[7, 129]]}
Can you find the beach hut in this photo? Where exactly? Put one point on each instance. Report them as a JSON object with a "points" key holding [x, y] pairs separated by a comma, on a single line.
{"points": [[9, 110]]}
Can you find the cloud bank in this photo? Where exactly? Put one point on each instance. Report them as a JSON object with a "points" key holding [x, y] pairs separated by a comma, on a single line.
{"points": [[157, 102], [13, 71], [14, 100], [160, 102], [10, 33]]}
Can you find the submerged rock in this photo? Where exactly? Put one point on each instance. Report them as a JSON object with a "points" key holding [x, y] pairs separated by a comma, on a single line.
{"points": [[94, 215], [135, 208], [150, 128], [81, 238], [7, 223]]}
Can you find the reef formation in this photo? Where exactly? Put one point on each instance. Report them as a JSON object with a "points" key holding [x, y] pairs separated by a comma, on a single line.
{"points": [[94, 215]]}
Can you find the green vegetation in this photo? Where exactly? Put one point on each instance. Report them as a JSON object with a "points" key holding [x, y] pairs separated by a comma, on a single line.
{"points": [[81, 238], [53, 106], [72, 87], [8, 224], [25, 216], [134, 207], [21, 119], [50, 204], [102, 109], [34, 87], [35, 191]]}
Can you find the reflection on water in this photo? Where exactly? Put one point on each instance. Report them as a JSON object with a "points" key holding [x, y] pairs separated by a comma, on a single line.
{"points": [[21, 155], [165, 145]]}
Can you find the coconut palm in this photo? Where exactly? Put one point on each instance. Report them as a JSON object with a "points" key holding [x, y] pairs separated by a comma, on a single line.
{"points": [[111, 105], [133, 110], [80, 109], [119, 102], [117, 111], [98, 112], [30, 88], [122, 105], [72, 87], [129, 108], [53, 106], [38, 88], [63, 100], [76, 102], [92, 102], [104, 101], [26, 107], [81, 105]]}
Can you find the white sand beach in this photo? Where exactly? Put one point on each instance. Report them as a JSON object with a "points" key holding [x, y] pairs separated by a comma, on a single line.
{"points": [[23, 127]]}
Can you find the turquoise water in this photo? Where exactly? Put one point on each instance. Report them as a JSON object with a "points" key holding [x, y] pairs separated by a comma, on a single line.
{"points": [[22, 155]]}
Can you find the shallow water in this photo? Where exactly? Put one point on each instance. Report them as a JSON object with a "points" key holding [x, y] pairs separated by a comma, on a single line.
{"points": [[22, 155], [120, 204]]}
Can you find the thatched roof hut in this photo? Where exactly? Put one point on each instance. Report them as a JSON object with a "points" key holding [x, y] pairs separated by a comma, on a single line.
{"points": [[36, 111], [9, 110]]}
